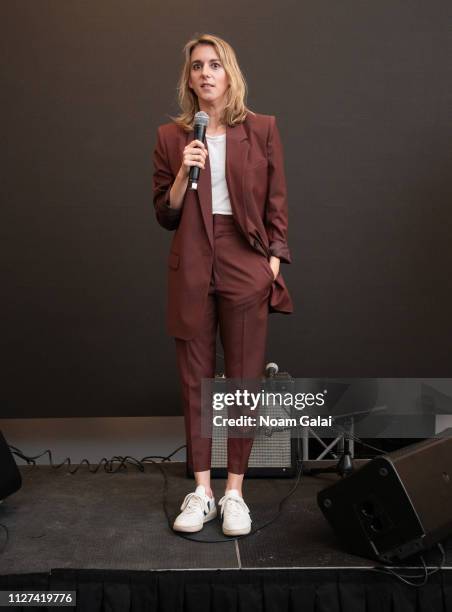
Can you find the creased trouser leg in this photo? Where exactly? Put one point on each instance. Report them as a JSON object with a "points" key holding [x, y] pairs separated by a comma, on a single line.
{"points": [[238, 303], [196, 360]]}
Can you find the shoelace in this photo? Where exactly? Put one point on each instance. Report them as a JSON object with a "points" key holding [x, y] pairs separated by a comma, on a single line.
{"points": [[236, 508], [193, 503]]}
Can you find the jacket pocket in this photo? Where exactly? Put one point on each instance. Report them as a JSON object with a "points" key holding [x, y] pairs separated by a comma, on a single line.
{"points": [[173, 261]]}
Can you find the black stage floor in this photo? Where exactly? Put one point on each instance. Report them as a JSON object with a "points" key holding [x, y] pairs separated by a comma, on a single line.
{"points": [[117, 522]]}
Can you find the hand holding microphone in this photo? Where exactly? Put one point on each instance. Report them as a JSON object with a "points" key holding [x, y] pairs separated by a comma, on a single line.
{"points": [[194, 158], [196, 152]]}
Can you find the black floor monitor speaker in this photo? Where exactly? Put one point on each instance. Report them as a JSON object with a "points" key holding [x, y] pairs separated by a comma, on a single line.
{"points": [[10, 478], [396, 505]]}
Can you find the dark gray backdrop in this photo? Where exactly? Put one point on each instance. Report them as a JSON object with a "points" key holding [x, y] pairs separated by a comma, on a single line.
{"points": [[361, 91]]}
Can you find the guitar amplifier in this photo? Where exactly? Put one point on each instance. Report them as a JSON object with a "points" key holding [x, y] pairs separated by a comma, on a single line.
{"points": [[10, 478], [274, 450]]}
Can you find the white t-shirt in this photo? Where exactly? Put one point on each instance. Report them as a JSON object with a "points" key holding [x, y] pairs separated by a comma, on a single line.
{"points": [[221, 205]]}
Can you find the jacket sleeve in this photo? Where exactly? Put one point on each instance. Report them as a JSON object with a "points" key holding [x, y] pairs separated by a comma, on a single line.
{"points": [[163, 180], [276, 213]]}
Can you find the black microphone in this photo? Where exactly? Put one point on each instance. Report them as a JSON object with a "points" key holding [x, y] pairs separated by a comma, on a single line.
{"points": [[201, 123], [271, 369]]}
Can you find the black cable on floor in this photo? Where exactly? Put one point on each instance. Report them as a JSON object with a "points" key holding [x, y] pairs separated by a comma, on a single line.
{"points": [[108, 464], [253, 531], [406, 578], [123, 461]]}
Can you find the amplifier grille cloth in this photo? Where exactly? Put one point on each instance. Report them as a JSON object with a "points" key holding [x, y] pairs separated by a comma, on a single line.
{"points": [[271, 447]]}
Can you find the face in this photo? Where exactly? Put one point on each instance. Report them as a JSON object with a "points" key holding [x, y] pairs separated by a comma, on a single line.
{"points": [[208, 78]]}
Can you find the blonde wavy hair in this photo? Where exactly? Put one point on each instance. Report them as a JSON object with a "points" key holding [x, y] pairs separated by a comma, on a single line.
{"points": [[235, 110]]}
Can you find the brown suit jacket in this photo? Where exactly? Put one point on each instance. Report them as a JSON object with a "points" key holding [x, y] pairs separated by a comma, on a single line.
{"points": [[257, 192]]}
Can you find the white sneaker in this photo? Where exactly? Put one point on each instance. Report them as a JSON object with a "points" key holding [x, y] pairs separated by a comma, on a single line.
{"points": [[197, 508], [235, 514]]}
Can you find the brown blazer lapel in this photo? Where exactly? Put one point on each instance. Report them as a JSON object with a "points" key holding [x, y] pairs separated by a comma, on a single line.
{"points": [[204, 194], [237, 148]]}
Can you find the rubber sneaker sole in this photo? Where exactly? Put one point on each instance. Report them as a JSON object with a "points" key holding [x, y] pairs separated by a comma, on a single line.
{"points": [[237, 532]]}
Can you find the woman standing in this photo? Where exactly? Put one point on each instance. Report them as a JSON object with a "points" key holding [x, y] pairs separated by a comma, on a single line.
{"points": [[223, 267]]}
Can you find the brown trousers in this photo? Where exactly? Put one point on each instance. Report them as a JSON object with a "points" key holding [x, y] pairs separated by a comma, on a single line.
{"points": [[237, 303]]}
